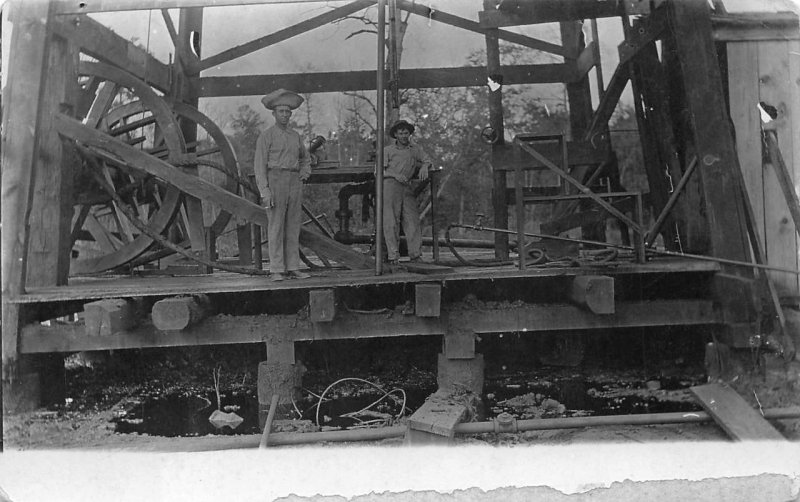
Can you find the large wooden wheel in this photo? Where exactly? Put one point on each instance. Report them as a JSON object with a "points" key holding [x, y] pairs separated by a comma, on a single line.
{"points": [[128, 110]]}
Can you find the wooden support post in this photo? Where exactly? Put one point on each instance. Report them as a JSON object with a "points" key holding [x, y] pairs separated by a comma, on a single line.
{"points": [[107, 317], [594, 292], [22, 115], [190, 26], [578, 92], [321, 305], [180, 312], [278, 375], [427, 299], [499, 202], [244, 238], [712, 137]]}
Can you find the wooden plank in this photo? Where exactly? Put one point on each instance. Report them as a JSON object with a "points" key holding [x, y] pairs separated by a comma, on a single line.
{"points": [[180, 312], [744, 94], [466, 24], [202, 189], [608, 102], [88, 6], [578, 90], [236, 283], [418, 78], [737, 418], [21, 119], [755, 26], [426, 268], [587, 59], [438, 415], [793, 118], [100, 42], [224, 329], [51, 211], [284, 34], [780, 242]]}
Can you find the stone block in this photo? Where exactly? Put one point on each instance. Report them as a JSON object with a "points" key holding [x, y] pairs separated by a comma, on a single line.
{"points": [[461, 374], [283, 379], [105, 317], [459, 345]]}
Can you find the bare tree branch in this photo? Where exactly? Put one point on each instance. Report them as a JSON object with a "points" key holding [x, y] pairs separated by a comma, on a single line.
{"points": [[360, 32]]}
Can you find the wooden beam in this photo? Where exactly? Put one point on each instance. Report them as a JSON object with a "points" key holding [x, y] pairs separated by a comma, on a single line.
{"points": [[578, 90], [20, 145], [608, 102], [420, 78], [179, 312], [88, 6], [50, 219], [466, 24], [284, 34], [198, 187], [734, 415], [517, 13], [100, 42], [427, 299], [645, 31], [226, 329], [587, 60], [755, 26]]}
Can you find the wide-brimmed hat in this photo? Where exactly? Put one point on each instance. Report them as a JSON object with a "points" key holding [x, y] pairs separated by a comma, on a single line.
{"points": [[400, 124], [282, 97]]}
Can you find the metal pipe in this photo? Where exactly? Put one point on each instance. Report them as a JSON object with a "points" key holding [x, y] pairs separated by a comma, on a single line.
{"points": [[294, 438], [380, 131], [630, 248], [540, 424], [673, 198]]}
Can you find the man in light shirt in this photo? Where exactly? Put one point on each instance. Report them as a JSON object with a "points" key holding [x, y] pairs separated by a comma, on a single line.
{"points": [[281, 165], [402, 161]]}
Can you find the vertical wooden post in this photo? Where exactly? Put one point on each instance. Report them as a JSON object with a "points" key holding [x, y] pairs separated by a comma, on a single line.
{"points": [[718, 166], [20, 146], [190, 28], [578, 92], [499, 201]]}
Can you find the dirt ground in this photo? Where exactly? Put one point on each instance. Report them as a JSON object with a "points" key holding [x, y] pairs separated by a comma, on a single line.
{"points": [[86, 421]]}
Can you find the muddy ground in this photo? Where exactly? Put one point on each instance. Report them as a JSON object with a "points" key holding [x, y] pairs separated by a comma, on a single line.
{"points": [[160, 400]]}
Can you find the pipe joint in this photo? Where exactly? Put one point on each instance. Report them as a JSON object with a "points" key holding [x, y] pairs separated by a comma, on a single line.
{"points": [[505, 422]]}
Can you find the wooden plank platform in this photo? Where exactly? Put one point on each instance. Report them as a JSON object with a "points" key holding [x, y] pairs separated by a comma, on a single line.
{"points": [[90, 288], [733, 414]]}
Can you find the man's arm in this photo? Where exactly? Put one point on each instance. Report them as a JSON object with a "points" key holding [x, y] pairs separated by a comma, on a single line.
{"points": [[424, 162], [305, 162], [260, 170]]}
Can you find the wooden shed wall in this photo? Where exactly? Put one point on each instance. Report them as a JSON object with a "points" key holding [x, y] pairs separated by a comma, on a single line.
{"points": [[769, 71]]}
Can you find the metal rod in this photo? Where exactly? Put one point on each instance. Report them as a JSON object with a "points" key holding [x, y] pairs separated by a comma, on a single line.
{"points": [[630, 248], [670, 203], [381, 131], [265, 439]]}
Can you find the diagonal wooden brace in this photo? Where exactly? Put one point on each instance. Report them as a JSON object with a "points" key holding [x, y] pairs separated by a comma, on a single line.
{"points": [[580, 186]]}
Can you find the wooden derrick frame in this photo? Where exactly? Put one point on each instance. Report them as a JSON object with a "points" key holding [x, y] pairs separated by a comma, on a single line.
{"points": [[63, 25]]}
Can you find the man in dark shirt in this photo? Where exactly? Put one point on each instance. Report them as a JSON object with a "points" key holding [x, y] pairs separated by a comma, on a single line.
{"points": [[401, 160]]}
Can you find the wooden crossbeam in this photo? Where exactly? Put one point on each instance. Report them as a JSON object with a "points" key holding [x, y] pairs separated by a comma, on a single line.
{"points": [[223, 329], [419, 78], [124, 155], [466, 24], [100, 42], [88, 6], [284, 34], [608, 102], [516, 13]]}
